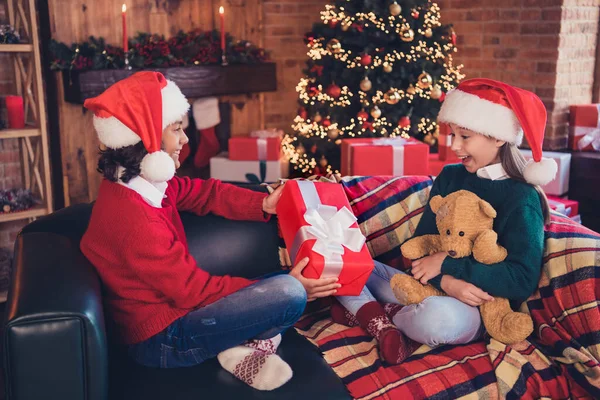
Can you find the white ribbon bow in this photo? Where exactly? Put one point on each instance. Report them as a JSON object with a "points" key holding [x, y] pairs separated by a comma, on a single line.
{"points": [[267, 133], [331, 229], [389, 142], [592, 138]]}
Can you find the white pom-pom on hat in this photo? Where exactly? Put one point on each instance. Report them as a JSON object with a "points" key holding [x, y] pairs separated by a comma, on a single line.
{"points": [[541, 172], [157, 167]]}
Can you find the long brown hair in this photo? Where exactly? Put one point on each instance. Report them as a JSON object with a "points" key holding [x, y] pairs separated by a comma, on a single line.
{"points": [[514, 163]]}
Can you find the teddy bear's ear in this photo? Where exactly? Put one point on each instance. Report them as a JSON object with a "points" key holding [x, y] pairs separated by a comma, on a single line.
{"points": [[435, 203], [487, 208]]}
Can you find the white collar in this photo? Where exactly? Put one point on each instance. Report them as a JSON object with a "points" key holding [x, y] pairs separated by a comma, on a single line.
{"points": [[152, 193], [494, 172]]}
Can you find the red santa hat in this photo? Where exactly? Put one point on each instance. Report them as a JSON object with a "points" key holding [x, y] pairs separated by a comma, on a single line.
{"points": [[136, 109], [503, 112]]}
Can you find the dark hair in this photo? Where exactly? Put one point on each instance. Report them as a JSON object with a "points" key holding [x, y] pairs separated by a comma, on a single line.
{"points": [[128, 157]]}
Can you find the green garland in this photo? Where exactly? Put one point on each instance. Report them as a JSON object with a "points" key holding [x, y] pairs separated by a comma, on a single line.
{"points": [[154, 51]]}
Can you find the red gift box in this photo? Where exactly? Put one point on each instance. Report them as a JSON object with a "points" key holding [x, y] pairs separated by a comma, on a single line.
{"points": [[316, 221], [393, 156], [584, 127], [254, 149], [445, 152], [570, 208]]}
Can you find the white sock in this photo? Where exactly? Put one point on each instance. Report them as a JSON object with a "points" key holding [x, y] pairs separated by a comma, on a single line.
{"points": [[256, 364]]}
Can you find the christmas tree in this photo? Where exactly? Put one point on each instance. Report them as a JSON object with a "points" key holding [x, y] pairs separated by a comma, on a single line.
{"points": [[376, 68]]}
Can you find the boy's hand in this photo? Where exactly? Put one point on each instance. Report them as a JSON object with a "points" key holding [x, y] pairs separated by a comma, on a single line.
{"points": [[315, 288], [270, 202]]}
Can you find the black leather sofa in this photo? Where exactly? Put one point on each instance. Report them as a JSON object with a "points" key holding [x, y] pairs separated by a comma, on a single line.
{"points": [[55, 343]]}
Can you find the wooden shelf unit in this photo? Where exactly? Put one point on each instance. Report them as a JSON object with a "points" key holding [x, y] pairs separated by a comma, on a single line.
{"points": [[33, 139]]}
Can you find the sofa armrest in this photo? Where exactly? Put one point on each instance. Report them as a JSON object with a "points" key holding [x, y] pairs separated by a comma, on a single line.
{"points": [[55, 345]]}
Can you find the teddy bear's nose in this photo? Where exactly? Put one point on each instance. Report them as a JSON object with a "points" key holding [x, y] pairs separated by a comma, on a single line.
{"points": [[452, 253]]}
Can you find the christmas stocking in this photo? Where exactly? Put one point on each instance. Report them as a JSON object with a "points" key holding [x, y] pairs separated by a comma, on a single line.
{"points": [[256, 363], [206, 117]]}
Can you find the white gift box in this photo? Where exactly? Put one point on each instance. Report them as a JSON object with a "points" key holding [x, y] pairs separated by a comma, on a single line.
{"points": [[222, 168], [560, 184]]}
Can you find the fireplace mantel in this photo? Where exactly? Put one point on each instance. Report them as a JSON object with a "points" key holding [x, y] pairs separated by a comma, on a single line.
{"points": [[194, 82]]}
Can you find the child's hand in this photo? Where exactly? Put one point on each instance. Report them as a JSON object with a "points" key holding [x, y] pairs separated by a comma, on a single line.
{"points": [[464, 291], [428, 267], [270, 202], [315, 288]]}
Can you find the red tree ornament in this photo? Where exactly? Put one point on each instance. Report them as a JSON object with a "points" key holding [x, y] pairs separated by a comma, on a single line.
{"points": [[327, 123], [333, 23], [367, 125], [366, 59], [415, 14], [334, 91], [404, 121], [302, 113], [362, 115], [442, 97], [453, 37], [313, 91]]}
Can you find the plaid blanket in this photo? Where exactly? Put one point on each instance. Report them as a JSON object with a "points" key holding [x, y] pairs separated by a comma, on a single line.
{"points": [[560, 361]]}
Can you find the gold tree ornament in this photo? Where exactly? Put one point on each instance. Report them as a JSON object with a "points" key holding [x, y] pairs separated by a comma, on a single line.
{"points": [[376, 112], [317, 117], [345, 26], [407, 34], [411, 90], [392, 97], [323, 162], [424, 81], [334, 46], [333, 133], [395, 9], [436, 92], [428, 32], [366, 85], [429, 139], [387, 68]]}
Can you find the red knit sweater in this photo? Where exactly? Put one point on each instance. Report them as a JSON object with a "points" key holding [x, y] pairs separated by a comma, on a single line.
{"points": [[142, 257]]}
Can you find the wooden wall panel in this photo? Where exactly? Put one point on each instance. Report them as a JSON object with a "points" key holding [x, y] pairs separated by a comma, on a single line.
{"points": [[74, 20]]}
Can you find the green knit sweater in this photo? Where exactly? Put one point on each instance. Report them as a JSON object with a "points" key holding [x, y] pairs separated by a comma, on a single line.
{"points": [[519, 225]]}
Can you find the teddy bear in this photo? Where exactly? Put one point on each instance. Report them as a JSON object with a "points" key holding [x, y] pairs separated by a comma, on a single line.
{"points": [[465, 223]]}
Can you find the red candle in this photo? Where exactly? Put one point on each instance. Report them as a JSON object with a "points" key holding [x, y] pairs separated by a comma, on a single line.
{"points": [[222, 15], [124, 18], [15, 112]]}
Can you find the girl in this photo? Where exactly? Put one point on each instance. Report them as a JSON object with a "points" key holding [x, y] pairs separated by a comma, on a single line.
{"points": [[168, 311], [488, 119]]}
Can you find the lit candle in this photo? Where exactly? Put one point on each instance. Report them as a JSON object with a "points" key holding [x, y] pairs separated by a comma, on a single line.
{"points": [[222, 15], [124, 18]]}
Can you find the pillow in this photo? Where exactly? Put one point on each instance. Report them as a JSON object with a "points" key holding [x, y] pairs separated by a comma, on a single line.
{"points": [[388, 209]]}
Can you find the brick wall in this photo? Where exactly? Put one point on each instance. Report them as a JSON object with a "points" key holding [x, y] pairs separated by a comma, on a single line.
{"points": [[546, 46], [286, 22], [10, 167]]}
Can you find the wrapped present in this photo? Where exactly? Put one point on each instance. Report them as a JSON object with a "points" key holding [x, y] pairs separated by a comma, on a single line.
{"points": [[445, 152], [267, 133], [227, 170], [255, 148], [436, 165], [567, 207], [559, 186], [385, 156], [316, 221], [584, 127]]}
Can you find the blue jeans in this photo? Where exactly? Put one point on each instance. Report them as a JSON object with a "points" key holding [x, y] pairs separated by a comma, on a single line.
{"points": [[435, 321], [260, 311]]}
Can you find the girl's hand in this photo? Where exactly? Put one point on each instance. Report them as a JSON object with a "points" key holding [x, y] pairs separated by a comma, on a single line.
{"points": [[428, 267], [464, 291], [315, 288], [270, 202]]}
